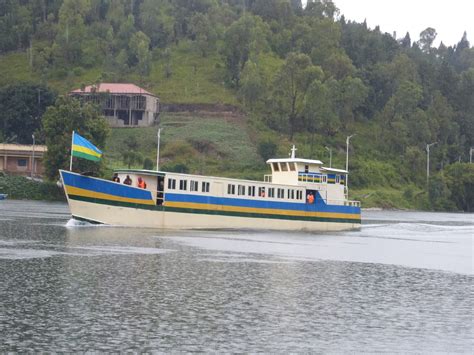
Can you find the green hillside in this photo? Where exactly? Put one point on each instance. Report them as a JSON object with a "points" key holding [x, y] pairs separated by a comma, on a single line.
{"points": [[205, 145], [292, 75]]}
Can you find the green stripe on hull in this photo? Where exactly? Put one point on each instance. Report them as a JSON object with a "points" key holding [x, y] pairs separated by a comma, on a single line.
{"points": [[213, 212]]}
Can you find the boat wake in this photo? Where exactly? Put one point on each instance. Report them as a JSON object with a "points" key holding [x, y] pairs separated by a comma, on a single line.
{"points": [[74, 223]]}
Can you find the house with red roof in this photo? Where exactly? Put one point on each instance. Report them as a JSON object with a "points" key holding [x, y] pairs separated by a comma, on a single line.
{"points": [[124, 105]]}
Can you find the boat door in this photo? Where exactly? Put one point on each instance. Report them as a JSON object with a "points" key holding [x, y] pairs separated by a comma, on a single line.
{"points": [[160, 187]]}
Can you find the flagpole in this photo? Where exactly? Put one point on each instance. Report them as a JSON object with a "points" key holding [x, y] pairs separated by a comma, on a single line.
{"points": [[72, 142], [158, 150]]}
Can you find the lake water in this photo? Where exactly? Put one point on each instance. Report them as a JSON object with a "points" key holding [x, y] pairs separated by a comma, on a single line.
{"points": [[403, 283]]}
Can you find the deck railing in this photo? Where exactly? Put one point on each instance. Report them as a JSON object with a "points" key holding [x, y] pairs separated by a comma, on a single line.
{"points": [[351, 203]]}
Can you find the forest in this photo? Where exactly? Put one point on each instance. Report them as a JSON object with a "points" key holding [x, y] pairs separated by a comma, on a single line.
{"points": [[303, 75]]}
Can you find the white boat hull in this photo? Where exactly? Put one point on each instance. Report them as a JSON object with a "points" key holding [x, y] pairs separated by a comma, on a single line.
{"points": [[135, 217]]}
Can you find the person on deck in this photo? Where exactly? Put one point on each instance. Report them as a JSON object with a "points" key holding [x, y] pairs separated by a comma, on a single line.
{"points": [[115, 178], [128, 180], [141, 183], [310, 198]]}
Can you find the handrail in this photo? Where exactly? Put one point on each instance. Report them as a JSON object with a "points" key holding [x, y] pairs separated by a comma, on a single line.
{"points": [[352, 203]]}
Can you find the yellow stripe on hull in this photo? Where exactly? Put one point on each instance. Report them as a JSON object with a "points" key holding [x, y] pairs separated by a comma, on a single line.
{"points": [[71, 190], [202, 206]]}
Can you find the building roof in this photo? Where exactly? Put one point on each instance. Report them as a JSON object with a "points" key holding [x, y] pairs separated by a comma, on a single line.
{"points": [[8, 147], [113, 88], [295, 160]]}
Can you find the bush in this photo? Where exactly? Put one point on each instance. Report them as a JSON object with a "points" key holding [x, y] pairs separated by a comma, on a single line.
{"points": [[267, 150], [148, 164], [374, 173], [176, 168], [19, 187]]}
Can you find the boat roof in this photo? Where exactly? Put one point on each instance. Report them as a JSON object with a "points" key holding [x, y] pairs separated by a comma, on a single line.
{"points": [[140, 171], [295, 160], [334, 170]]}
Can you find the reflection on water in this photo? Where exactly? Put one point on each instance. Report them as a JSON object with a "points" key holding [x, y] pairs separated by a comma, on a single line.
{"points": [[398, 285]]}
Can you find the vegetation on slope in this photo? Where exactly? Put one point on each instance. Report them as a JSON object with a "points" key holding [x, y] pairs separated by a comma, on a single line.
{"points": [[302, 75]]}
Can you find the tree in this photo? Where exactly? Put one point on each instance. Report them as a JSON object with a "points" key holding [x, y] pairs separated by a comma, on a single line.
{"points": [[460, 181], [69, 43], [131, 155], [251, 85], [21, 108], [321, 8], [243, 40], [156, 23], [65, 116], [406, 41], [319, 108], [427, 38], [203, 33], [290, 86], [140, 52]]}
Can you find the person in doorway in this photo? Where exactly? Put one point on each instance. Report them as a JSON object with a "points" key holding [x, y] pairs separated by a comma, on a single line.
{"points": [[115, 178], [141, 183], [310, 198], [128, 180]]}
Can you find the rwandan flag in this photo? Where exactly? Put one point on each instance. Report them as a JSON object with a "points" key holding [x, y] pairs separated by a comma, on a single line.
{"points": [[82, 148]]}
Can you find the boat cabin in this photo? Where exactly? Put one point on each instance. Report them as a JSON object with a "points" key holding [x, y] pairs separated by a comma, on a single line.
{"points": [[330, 183], [292, 180]]}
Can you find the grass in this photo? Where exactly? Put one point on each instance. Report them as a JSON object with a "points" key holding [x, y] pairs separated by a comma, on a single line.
{"points": [[14, 68], [194, 79], [205, 145]]}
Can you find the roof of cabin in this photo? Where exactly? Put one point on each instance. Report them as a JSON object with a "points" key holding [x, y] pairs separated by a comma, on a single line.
{"points": [[295, 160], [334, 170], [140, 172], [113, 88]]}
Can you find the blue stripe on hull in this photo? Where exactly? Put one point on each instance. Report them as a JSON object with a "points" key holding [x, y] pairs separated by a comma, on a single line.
{"points": [[240, 202], [104, 186]]}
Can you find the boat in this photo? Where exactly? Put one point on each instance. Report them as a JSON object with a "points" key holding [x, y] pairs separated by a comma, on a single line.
{"points": [[3, 196], [298, 195]]}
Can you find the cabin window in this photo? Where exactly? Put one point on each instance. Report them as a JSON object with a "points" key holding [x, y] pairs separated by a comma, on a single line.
{"points": [[276, 167], [171, 184], [306, 168], [284, 167], [183, 185], [194, 185], [291, 194], [21, 162], [299, 195], [338, 178], [292, 166], [324, 178], [205, 186], [281, 193], [251, 191], [231, 189], [271, 192], [241, 190], [261, 191]]}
